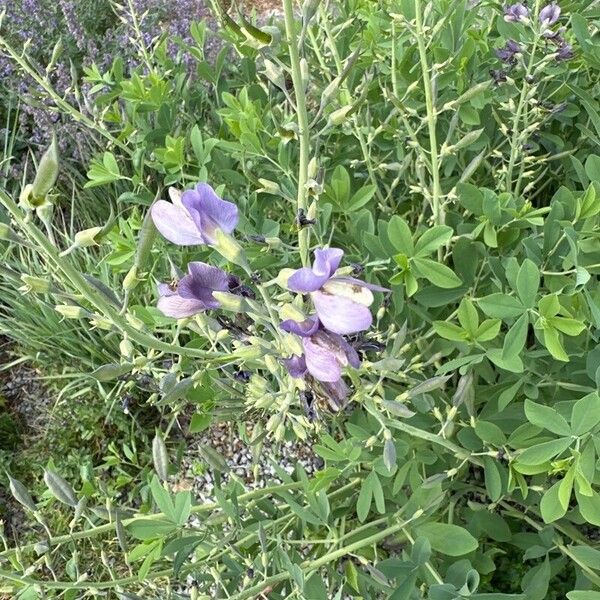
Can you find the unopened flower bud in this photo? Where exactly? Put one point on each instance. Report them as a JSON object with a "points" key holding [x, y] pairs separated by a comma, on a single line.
{"points": [[337, 117], [312, 168], [131, 279], [126, 348], [46, 175], [101, 323], [8, 235], [273, 242], [269, 187], [229, 248], [83, 239], [134, 321], [36, 284], [231, 302]]}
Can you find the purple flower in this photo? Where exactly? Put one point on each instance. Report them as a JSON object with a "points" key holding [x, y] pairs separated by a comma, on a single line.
{"points": [[516, 12], [193, 293], [508, 53], [342, 303], [193, 217], [549, 14], [325, 353], [565, 52]]}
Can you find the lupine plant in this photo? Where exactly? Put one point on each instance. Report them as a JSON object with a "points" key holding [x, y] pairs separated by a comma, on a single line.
{"points": [[381, 239]]}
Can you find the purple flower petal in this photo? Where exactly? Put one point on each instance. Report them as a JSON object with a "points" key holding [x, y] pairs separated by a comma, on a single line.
{"points": [[210, 212], [201, 282], [327, 261], [175, 224], [304, 280], [341, 315], [304, 328], [338, 393], [351, 354], [177, 307], [296, 366], [321, 363], [550, 14], [324, 266]]}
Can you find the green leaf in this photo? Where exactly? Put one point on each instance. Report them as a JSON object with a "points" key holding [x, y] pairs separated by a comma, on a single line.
{"points": [[488, 330], [365, 496], [501, 306], [493, 481], [433, 239], [449, 331], [589, 507], [565, 489], [467, 316], [583, 595], [567, 326], [360, 198], [540, 453], [585, 414], [436, 273], [149, 529], [514, 342], [490, 433], [554, 345], [400, 235], [451, 540], [550, 505], [200, 422], [514, 364], [546, 417], [162, 499], [528, 282]]}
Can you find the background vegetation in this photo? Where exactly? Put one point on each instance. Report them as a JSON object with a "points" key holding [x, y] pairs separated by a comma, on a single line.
{"points": [[453, 152]]}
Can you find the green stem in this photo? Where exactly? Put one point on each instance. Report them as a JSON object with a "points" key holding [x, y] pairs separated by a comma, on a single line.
{"points": [[316, 564], [516, 130], [302, 116], [436, 192], [196, 509]]}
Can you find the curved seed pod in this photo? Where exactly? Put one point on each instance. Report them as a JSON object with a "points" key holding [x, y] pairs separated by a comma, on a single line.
{"points": [[60, 489], [21, 495], [160, 457], [111, 371]]}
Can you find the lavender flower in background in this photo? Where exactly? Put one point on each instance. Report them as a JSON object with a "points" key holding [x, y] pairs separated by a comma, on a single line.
{"points": [[549, 14], [194, 292], [342, 303], [193, 217], [516, 12], [325, 353], [508, 53]]}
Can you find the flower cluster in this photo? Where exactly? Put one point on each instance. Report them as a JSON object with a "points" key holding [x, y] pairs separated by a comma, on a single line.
{"points": [[341, 303], [342, 307], [548, 16]]}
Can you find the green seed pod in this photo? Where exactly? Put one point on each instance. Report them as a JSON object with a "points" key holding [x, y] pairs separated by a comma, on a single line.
{"points": [[131, 279], [304, 74], [111, 371], [8, 235], [160, 457], [145, 241], [47, 173]]}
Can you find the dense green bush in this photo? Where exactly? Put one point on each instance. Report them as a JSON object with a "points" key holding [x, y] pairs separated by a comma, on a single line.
{"points": [[451, 149]]}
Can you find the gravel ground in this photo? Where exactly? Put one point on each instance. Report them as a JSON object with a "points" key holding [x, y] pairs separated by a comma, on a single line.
{"points": [[254, 471]]}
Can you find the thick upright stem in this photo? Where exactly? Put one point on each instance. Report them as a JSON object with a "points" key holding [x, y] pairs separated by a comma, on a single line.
{"points": [[302, 116], [436, 191]]}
